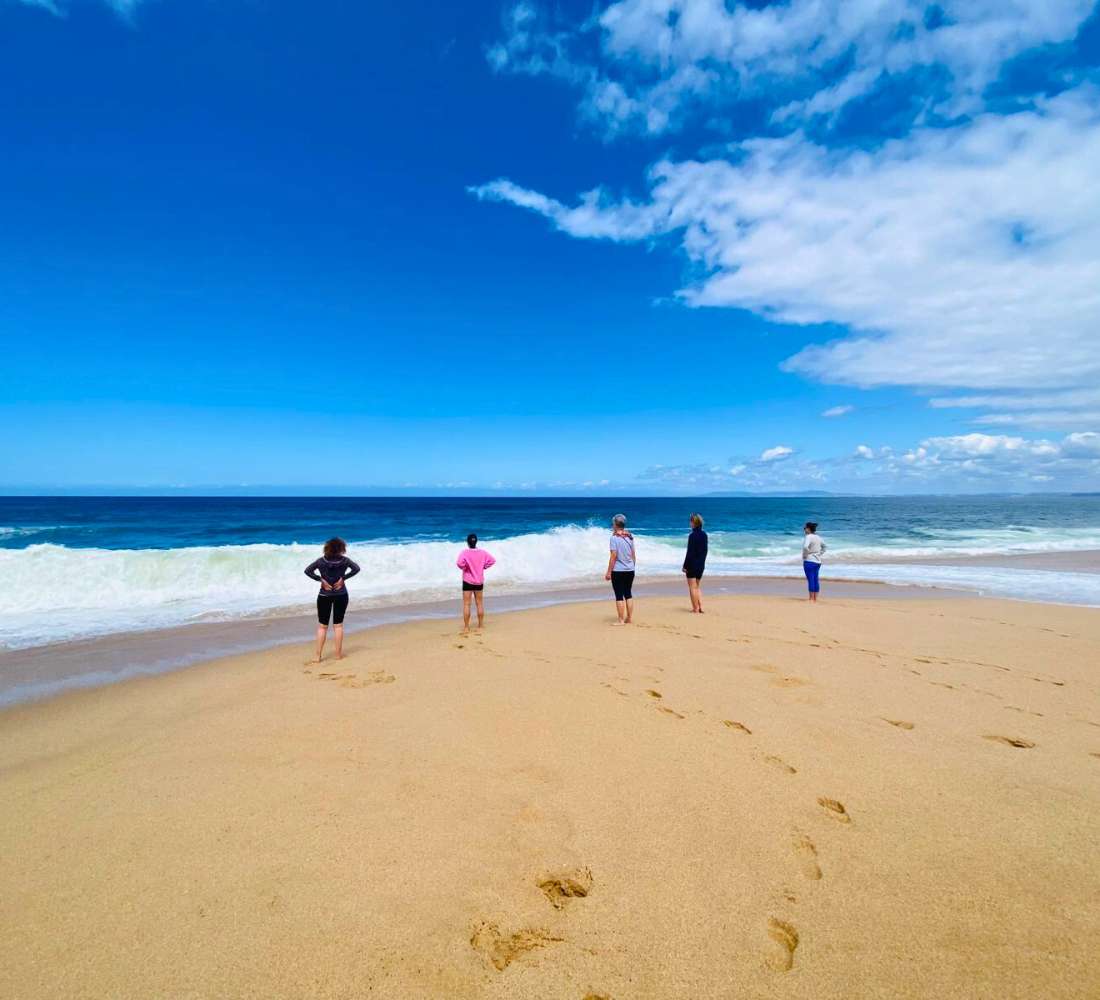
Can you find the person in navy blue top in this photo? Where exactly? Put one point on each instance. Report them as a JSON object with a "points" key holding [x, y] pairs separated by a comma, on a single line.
{"points": [[695, 562]]}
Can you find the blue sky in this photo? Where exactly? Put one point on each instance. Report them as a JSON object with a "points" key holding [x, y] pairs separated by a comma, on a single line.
{"points": [[639, 249]]}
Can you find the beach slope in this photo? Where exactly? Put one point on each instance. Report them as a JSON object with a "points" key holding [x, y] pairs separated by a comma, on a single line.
{"points": [[866, 798]]}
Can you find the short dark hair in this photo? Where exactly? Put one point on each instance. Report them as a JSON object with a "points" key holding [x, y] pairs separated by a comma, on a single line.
{"points": [[812, 525], [471, 540], [335, 547]]}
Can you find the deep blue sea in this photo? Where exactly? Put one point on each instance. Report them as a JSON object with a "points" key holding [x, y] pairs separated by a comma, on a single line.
{"points": [[102, 565]]}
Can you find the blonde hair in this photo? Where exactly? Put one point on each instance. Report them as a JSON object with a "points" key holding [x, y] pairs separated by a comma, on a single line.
{"points": [[696, 521]]}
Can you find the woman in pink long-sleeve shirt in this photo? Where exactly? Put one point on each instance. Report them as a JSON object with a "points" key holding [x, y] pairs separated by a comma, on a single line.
{"points": [[473, 562]]}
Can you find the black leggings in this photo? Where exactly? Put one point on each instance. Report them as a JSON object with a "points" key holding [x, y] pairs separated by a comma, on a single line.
{"points": [[621, 582], [334, 605]]}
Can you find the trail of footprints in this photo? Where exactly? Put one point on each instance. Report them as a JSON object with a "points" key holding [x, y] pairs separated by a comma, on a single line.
{"points": [[782, 935], [354, 680], [560, 889]]}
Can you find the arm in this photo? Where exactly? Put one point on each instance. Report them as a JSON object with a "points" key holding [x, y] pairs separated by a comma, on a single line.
{"points": [[352, 569], [610, 565], [460, 562], [311, 571], [489, 561]]}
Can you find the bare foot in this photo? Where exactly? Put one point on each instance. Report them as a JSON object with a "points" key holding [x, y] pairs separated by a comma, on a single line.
{"points": [[339, 656], [313, 663]]}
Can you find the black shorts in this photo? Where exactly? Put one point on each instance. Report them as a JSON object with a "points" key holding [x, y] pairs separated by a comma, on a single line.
{"points": [[621, 582], [693, 572], [472, 586], [334, 605]]}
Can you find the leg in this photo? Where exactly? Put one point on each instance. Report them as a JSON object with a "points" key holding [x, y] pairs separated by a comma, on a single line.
{"points": [[691, 592], [620, 596], [466, 611], [480, 599], [628, 585], [629, 611], [699, 595], [339, 606], [324, 609]]}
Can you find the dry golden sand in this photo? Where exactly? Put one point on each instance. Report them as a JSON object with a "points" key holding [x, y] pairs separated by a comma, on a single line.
{"points": [[859, 799]]}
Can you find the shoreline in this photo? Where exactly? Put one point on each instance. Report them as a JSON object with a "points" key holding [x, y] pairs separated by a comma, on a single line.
{"points": [[773, 800], [42, 672]]}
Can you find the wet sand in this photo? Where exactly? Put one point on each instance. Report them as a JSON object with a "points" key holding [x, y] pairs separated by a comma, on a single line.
{"points": [[44, 671], [859, 799]]}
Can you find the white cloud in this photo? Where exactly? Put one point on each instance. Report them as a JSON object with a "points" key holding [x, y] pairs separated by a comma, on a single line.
{"points": [[837, 411], [1056, 410], [645, 64], [776, 454], [951, 463], [962, 257], [1085, 444], [124, 8]]}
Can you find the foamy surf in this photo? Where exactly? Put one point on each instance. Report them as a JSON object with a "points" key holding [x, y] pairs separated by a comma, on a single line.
{"points": [[50, 593]]}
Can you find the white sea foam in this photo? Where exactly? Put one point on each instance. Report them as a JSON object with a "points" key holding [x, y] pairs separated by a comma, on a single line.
{"points": [[50, 592]]}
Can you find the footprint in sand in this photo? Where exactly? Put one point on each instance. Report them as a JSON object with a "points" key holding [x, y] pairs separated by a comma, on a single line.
{"points": [[781, 764], [790, 682], [941, 684], [1026, 711], [653, 694], [669, 711], [898, 723], [355, 681], [807, 856], [501, 950], [835, 809], [785, 941], [596, 996], [741, 728], [1010, 741], [561, 887]]}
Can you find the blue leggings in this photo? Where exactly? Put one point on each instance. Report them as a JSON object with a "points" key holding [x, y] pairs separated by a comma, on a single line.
{"points": [[812, 569]]}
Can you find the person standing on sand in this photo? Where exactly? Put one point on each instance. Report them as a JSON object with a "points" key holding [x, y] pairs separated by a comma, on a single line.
{"points": [[332, 569], [695, 562], [473, 562], [620, 569], [813, 548]]}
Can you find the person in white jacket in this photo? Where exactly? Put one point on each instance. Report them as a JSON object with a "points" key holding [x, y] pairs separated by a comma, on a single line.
{"points": [[813, 548]]}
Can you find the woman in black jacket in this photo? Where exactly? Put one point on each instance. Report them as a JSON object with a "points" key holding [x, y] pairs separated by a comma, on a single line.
{"points": [[331, 570], [695, 562]]}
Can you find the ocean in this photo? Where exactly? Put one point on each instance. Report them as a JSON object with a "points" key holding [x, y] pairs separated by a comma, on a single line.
{"points": [[80, 567]]}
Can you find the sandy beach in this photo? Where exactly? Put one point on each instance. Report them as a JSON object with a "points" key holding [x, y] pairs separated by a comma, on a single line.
{"points": [[860, 799]]}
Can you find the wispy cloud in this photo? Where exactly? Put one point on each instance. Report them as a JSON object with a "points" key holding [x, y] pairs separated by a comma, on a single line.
{"points": [[124, 8], [837, 411], [649, 65]]}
